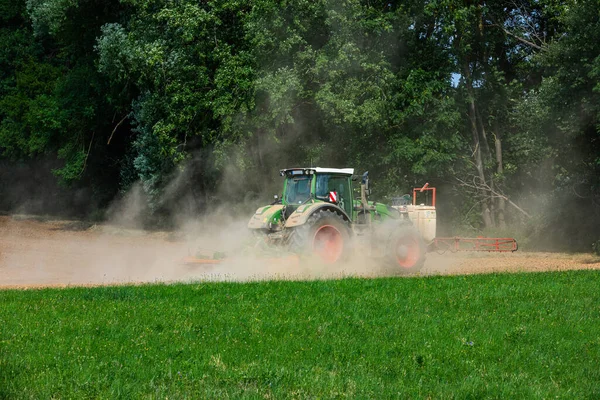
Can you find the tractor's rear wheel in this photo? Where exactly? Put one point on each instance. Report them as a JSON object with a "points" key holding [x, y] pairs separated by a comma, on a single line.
{"points": [[406, 251], [325, 236]]}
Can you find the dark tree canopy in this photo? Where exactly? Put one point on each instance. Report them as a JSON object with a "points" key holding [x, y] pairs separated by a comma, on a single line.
{"points": [[496, 103]]}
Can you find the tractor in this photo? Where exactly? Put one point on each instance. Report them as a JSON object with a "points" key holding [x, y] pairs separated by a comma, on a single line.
{"points": [[324, 213]]}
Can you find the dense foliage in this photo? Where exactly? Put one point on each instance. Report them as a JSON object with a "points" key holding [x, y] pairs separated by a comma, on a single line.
{"points": [[496, 103]]}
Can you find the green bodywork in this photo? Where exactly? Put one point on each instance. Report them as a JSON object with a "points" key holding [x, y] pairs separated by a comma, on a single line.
{"points": [[266, 217]]}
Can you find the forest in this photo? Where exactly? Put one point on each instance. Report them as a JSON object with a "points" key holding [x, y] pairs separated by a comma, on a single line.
{"points": [[194, 105]]}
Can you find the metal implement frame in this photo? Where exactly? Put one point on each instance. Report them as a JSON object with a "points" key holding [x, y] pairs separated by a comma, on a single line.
{"points": [[421, 190], [454, 244]]}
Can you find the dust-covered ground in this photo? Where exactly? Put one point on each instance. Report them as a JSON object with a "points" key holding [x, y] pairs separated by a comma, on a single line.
{"points": [[36, 253]]}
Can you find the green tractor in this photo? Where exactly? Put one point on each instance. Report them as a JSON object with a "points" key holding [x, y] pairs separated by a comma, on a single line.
{"points": [[318, 215]]}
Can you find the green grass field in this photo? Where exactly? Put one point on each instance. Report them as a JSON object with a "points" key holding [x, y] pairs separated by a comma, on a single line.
{"points": [[500, 336]]}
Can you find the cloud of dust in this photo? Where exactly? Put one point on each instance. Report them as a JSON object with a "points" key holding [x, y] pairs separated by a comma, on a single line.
{"points": [[119, 251], [223, 231], [58, 252], [129, 210]]}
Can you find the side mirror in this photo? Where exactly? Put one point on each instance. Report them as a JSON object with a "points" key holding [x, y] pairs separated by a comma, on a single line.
{"points": [[365, 180]]}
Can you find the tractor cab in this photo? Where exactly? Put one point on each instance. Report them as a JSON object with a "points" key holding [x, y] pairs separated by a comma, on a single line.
{"points": [[330, 185]]}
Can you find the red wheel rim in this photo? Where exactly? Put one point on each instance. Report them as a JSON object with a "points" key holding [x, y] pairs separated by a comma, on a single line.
{"points": [[407, 252], [328, 243]]}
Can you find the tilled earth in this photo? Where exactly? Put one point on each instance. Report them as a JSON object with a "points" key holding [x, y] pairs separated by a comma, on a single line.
{"points": [[39, 253]]}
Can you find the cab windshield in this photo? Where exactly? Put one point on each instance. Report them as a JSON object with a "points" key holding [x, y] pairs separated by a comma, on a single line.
{"points": [[297, 189]]}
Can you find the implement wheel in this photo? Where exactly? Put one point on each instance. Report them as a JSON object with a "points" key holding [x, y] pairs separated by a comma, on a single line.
{"points": [[406, 251], [325, 236]]}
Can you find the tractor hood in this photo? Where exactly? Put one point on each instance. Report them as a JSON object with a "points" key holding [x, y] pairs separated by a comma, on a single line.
{"points": [[264, 216], [302, 213]]}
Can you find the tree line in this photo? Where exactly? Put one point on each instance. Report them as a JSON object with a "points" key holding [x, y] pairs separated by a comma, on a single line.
{"points": [[200, 102]]}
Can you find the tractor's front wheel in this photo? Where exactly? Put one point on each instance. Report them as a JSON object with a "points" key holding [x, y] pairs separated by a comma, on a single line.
{"points": [[406, 251], [325, 236]]}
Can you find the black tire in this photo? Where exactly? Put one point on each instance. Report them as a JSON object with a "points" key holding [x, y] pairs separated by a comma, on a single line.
{"points": [[325, 235], [406, 251]]}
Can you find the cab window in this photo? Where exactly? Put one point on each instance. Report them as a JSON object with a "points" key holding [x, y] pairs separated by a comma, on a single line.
{"points": [[297, 189], [331, 183]]}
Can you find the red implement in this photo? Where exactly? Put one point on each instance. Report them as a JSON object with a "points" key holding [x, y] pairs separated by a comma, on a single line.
{"points": [[288, 260], [204, 261], [455, 244]]}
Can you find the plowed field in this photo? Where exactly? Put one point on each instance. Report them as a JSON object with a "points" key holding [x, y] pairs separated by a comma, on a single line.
{"points": [[38, 253]]}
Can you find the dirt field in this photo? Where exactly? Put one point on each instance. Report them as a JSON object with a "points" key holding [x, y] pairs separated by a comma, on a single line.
{"points": [[38, 253]]}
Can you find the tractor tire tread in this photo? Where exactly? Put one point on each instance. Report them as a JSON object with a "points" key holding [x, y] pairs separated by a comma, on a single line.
{"points": [[391, 257], [300, 237]]}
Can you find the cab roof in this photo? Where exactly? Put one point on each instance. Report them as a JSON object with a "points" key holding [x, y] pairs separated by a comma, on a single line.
{"points": [[319, 170]]}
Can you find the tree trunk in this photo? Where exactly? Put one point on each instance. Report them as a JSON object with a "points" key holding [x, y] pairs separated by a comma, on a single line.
{"points": [[501, 204], [487, 157], [486, 151], [259, 150], [485, 211], [492, 204]]}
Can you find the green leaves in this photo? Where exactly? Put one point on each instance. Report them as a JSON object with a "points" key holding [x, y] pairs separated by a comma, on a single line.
{"points": [[47, 16], [393, 87]]}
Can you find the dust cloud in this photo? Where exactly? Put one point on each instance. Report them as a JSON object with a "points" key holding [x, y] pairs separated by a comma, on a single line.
{"points": [[38, 252]]}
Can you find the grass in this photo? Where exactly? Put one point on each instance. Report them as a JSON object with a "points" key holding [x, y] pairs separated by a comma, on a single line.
{"points": [[480, 336]]}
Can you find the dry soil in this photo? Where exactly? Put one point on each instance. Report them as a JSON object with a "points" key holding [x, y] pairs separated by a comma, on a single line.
{"points": [[38, 253]]}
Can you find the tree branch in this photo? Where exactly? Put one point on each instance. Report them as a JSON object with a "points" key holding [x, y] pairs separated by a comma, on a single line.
{"points": [[115, 129], [88, 153], [482, 186], [519, 38]]}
